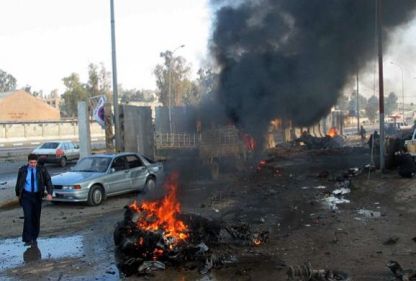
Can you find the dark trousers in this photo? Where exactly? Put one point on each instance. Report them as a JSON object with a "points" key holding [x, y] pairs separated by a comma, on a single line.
{"points": [[32, 205]]}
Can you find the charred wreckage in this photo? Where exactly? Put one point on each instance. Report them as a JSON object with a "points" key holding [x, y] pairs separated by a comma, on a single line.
{"points": [[155, 234]]}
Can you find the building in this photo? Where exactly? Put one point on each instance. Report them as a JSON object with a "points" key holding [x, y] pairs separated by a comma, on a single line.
{"points": [[53, 100], [21, 106]]}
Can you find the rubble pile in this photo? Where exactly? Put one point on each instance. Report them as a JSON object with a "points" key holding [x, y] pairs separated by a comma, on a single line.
{"points": [[326, 142], [155, 234], [142, 251], [399, 273], [307, 273]]}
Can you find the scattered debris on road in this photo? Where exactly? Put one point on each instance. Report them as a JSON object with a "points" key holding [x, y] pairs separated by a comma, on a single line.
{"points": [[307, 273], [400, 273]]}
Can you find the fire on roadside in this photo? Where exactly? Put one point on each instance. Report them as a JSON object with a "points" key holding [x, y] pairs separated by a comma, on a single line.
{"points": [[256, 242], [161, 215], [261, 165], [332, 132], [249, 142]]}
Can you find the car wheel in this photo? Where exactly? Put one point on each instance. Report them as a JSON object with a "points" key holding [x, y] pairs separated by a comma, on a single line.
{"points": [[150, 185], [62, 162], [95, 196]]}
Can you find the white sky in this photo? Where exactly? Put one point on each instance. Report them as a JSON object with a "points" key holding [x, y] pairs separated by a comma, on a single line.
{"points": [[43, 41]]}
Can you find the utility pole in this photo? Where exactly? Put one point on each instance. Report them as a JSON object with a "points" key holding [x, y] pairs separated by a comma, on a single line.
{"points": [[380, 79], [358, 107], [115, 92]]}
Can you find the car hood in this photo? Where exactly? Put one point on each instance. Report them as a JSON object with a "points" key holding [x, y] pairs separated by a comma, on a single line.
{"points": [[74, 177]]}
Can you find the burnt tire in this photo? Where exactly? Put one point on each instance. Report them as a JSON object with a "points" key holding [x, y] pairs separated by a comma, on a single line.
{"points": [[95, 196], [150, 185], [62, 162]]}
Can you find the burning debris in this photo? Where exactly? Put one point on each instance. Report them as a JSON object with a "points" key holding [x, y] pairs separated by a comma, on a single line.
{"points": [[327, 142], [155, 234], [307, 273]]}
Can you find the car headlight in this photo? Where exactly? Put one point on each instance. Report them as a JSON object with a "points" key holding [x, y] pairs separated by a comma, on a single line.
{"points": [[66, 187]]}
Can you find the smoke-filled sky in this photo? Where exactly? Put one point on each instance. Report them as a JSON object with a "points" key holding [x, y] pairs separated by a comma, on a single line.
{"points": [[292, 59], [45, 40]]}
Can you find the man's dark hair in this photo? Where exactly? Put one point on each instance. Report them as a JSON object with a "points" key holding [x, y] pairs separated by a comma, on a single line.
{"points": [[32, 157]]}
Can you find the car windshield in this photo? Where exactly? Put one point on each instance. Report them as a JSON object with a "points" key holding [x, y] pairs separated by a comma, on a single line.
{"points": [[50, 145], [92, 164]]}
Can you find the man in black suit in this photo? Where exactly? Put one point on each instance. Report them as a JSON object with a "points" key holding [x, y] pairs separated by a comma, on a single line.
{"points": [[33, 183]]}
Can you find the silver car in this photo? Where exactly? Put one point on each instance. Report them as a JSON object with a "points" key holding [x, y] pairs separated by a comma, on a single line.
{"points": [[99, 176], [58, 152]]}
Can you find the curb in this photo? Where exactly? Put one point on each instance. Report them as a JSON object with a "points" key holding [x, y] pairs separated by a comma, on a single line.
{"points": [[9, 204]]}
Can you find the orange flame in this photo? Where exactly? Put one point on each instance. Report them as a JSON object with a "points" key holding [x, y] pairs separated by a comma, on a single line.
{"points": [[161, 215], [332, 132], [249, 142], [261, 165], [256, 241]]}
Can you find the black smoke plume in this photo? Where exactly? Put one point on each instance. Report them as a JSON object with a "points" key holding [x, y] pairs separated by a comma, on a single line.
{"points": [[291, 58]]}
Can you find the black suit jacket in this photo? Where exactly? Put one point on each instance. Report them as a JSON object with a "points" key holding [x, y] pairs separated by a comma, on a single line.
{"points": [[42, 177]]}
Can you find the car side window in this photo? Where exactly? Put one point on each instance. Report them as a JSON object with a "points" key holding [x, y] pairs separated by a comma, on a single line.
{"points": [[134, 161], [70, 145], [120, 163], [64, 146]]}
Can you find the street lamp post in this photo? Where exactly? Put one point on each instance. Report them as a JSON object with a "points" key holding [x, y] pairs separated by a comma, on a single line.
{"points": [[115, 91], [402, 87], [169, 88]]}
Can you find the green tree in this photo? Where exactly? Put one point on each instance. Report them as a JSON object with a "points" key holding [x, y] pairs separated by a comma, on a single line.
{"points": [[352, 106], [34, 93], [343, 103], [192, 95], [372, 108], [174, 72], [7, 82], [98, 81], [133, 95], [391, 103], [75, 91]]}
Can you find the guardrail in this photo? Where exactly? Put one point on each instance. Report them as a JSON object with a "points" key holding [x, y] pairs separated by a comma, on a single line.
{"points": [[177, 140]]}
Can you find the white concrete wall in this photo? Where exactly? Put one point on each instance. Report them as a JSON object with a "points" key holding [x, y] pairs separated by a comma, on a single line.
{"points": [[12, 132]]}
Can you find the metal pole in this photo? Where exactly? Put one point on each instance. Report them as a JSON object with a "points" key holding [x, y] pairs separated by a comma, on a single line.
{"points": [[115, 92], [380, 80], [358, 107]]}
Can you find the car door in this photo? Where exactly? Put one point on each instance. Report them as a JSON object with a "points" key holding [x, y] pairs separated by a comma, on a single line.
{"points": [[138, 172], [118, 180], [70, 151], [76, 151]]}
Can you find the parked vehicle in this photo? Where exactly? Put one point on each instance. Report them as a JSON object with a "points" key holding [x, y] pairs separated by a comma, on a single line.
{"points": [[59, 152], [99, 176], [410, 144]]}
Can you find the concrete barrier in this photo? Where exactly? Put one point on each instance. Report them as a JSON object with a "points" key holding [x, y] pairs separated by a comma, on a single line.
{"points": [[15, 133]]}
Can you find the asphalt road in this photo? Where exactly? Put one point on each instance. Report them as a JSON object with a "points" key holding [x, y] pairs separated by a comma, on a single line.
{"points": [[17, 152], [8, 175]]}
